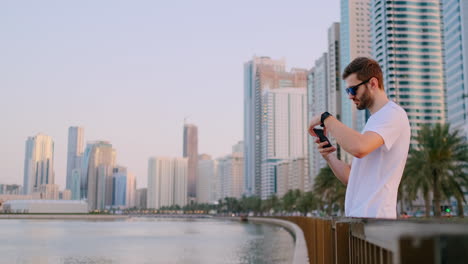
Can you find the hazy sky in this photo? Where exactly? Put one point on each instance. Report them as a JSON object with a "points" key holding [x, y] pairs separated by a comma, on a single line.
{"points": [[130, 71]]}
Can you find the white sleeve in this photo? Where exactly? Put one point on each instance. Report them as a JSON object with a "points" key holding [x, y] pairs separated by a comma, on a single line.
{"points": [[388, 126]]}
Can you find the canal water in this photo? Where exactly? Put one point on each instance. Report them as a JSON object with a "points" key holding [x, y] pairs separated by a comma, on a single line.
{"points": [[143, 240]]}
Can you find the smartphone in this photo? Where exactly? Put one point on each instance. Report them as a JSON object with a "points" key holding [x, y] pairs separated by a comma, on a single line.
{"points": [[322, 136]]}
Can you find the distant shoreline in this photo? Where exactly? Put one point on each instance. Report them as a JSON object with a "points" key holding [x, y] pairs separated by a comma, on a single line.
{"points": [[63, 216]]}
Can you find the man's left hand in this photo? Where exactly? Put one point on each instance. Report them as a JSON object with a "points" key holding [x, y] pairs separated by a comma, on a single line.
{"points": [[315, 121]]}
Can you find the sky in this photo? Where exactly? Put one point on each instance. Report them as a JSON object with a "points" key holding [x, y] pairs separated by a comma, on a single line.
{"points": [[129, 72]]}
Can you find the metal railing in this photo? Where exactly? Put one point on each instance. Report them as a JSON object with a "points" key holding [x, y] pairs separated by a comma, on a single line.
{"points": [[372, 241]]}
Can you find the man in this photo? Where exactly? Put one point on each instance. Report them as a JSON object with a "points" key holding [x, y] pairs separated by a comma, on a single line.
{"points": [[380, 151]]}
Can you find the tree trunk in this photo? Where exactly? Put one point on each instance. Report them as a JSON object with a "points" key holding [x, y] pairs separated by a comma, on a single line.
{"points": [[436, 189], [402, 209], [427, 204], [460, 212]]}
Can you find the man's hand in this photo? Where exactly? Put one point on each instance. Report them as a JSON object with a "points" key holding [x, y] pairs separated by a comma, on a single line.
{"points": [[324, 151], [313, 123]]}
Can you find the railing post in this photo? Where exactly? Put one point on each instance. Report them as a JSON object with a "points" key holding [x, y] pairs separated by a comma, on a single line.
{"points": [[342, 238], [416, 250]]}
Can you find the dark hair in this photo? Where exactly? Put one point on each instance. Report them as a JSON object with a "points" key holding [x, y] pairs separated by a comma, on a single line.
{"points": [[365, 69]]}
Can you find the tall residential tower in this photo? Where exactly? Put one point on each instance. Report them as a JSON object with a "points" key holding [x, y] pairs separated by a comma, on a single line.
{"points": [[261, 73], [455, 13], [74, 155], [407, 43], [191, 153], [38, 163]]}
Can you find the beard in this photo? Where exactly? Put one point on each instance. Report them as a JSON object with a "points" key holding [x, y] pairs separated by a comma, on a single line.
{"points": [[365, 101]]}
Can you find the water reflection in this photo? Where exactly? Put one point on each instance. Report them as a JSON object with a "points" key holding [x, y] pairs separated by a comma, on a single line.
{"points": [[143, 240]]}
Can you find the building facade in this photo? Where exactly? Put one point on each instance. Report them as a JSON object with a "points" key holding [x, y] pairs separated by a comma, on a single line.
{"points": [[293, 175], [97, 170], [230, 172], [207, 184], [317, 93], [124, 184], [455, 18], [355, 41], [141, 198], [284, 132], [407, 42], [261, 73], [74, 154], [167, 182], [38, 163], [191, 153]]}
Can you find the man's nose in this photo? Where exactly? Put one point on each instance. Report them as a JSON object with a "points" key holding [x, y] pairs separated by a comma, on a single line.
{"points": [[350, 96]]}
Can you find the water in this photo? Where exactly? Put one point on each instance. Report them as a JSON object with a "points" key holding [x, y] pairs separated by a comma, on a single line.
{"points": [[142, 240]]}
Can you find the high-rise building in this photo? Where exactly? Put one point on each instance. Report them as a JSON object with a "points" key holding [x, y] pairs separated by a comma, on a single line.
{"points": [[354, 42], [230, 172], [284, 132], [207, 179], [97, 169], [317, 93], [181, 181], [124, 188], [293, 175], [191, 153], [334, 71], [38, 163], [261, 73], [76, 184], [455, 17], [335, 92], [74, 154], [167, 182], [141, 198], [407, 43]]}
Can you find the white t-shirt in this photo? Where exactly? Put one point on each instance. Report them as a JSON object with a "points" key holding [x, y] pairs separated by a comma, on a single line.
{"points": [[374, 179]]}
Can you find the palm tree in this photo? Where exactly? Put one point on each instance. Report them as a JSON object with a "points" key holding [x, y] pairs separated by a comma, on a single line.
{"points": [[271, 203], [290, 199], [307, 203], [438, 163], [329, 189], [414, 181]]}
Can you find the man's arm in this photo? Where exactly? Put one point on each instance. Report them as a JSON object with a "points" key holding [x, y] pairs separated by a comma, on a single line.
{"points": [[340, 168], [357, 144]]}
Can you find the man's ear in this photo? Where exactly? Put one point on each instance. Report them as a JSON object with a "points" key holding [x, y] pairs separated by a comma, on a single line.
{"points": [[374, 83]]}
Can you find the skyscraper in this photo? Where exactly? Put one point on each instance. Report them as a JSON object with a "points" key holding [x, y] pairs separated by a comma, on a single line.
{"points": [[355, 41], [141, 198], [98, 165], [191, 153], [38, 163], [334, 71], [407, 43], [261, 73], [74, 154], [167, 182], [124, 184], [284, 132], [317, 93], [455, 14], [181, 181], [230, 173], [207, 179]]}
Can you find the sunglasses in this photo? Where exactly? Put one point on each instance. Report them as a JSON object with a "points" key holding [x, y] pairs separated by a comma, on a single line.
{"points": [[353, 89]]}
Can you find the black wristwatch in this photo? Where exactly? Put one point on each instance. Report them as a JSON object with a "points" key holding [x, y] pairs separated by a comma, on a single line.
{"points": [[324, 116]]}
